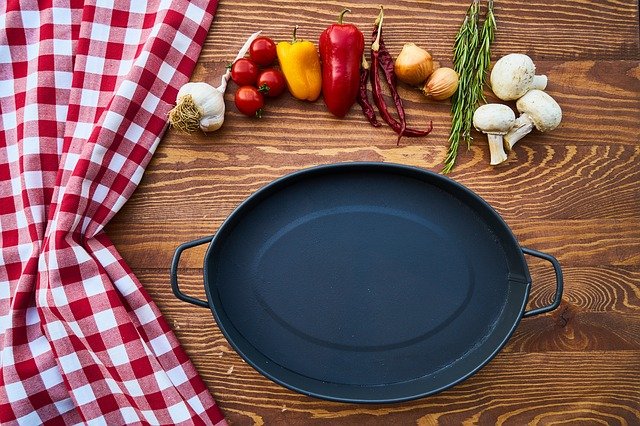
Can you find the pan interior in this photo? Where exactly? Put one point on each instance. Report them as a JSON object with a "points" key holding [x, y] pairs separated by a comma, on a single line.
{"points": [[362, 278]]}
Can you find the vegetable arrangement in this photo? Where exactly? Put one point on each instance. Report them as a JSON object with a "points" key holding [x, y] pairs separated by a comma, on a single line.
{"points": [[340, 71], [200, 105]]}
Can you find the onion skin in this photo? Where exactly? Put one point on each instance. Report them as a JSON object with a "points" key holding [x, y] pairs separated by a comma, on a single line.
{"points": [[442, 84], [413, 65]]}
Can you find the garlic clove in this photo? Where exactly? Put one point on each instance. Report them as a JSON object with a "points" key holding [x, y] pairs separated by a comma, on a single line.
{"points": [[413, 65], [441, 85], [212, 123]]}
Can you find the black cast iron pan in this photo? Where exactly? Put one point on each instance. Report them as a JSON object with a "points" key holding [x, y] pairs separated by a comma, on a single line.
{"points": [[366, 282]]}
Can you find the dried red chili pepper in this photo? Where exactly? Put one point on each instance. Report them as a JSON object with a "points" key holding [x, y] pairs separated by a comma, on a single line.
{"points": [[414, 133], [341, 47], [387, 66], [376, 89], [386, 60], [380, 57], [363, 97]]}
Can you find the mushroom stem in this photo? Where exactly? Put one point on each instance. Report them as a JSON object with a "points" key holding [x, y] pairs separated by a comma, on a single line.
{"points": [[539, 82], [521, 128], [496, 148]]}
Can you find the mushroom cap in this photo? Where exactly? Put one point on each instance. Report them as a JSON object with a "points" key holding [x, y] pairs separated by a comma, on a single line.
{"points": [[495, 119], [512, 76], [543, 110]]}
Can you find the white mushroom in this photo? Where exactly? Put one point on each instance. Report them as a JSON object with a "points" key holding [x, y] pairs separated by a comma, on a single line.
{"points": [[495, 120], [514, 75], [536, 109]]}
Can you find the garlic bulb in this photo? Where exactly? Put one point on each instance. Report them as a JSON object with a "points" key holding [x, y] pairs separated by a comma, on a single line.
{"points": [[200, 105], [442, 84], [413, 65]]}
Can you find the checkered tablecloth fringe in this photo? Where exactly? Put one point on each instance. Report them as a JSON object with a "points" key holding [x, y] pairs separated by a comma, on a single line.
{"points": [[85, 88]]}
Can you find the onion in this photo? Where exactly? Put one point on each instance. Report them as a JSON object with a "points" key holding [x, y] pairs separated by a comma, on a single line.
{"points": [[442, 84], [413, 65]]}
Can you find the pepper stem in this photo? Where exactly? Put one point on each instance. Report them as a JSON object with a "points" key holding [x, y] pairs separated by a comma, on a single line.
{"points": [[365, 64], [295, 30], [341, 16], [376, 44]]}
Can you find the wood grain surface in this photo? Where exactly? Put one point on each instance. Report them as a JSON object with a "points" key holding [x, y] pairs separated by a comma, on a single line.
{"points": [[573, 192]]}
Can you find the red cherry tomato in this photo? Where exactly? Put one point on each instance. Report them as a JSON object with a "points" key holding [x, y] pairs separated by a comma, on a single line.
{"points": [[249, 101], [271, 82], [263, 51], [244, 72]]}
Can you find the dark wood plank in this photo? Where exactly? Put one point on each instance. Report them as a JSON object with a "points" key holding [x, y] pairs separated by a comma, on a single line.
{"points": [[492, 396], [564, 183], [588, 288], [553, 29]]}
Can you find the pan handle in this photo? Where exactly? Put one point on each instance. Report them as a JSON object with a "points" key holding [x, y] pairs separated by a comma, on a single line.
{"points": [[556, 267], [174, 271]]}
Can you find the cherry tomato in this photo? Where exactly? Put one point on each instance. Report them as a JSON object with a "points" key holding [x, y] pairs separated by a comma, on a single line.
{"points": [[271, 82], [263, 51], [249, 101], [244, 72]]}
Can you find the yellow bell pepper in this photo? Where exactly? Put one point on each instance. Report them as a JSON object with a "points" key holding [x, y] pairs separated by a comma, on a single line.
{"points": [[300, 65]]}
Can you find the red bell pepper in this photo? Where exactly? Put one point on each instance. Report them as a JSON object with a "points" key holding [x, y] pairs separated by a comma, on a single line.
{"points": [[341, 48]]}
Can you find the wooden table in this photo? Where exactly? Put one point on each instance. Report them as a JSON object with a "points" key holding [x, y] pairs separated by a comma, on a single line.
{"points": [[574, 192]]}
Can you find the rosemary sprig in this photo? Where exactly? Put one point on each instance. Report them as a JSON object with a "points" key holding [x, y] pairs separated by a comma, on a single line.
{"points": [[471, 58], [464, 51], [483, 59]]}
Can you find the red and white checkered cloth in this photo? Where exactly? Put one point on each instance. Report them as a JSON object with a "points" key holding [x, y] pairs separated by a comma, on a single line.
{"points": [[85, 88]]}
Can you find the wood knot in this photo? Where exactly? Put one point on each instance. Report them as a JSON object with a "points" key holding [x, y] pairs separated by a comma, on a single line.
{"points": [[564, 314]]}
